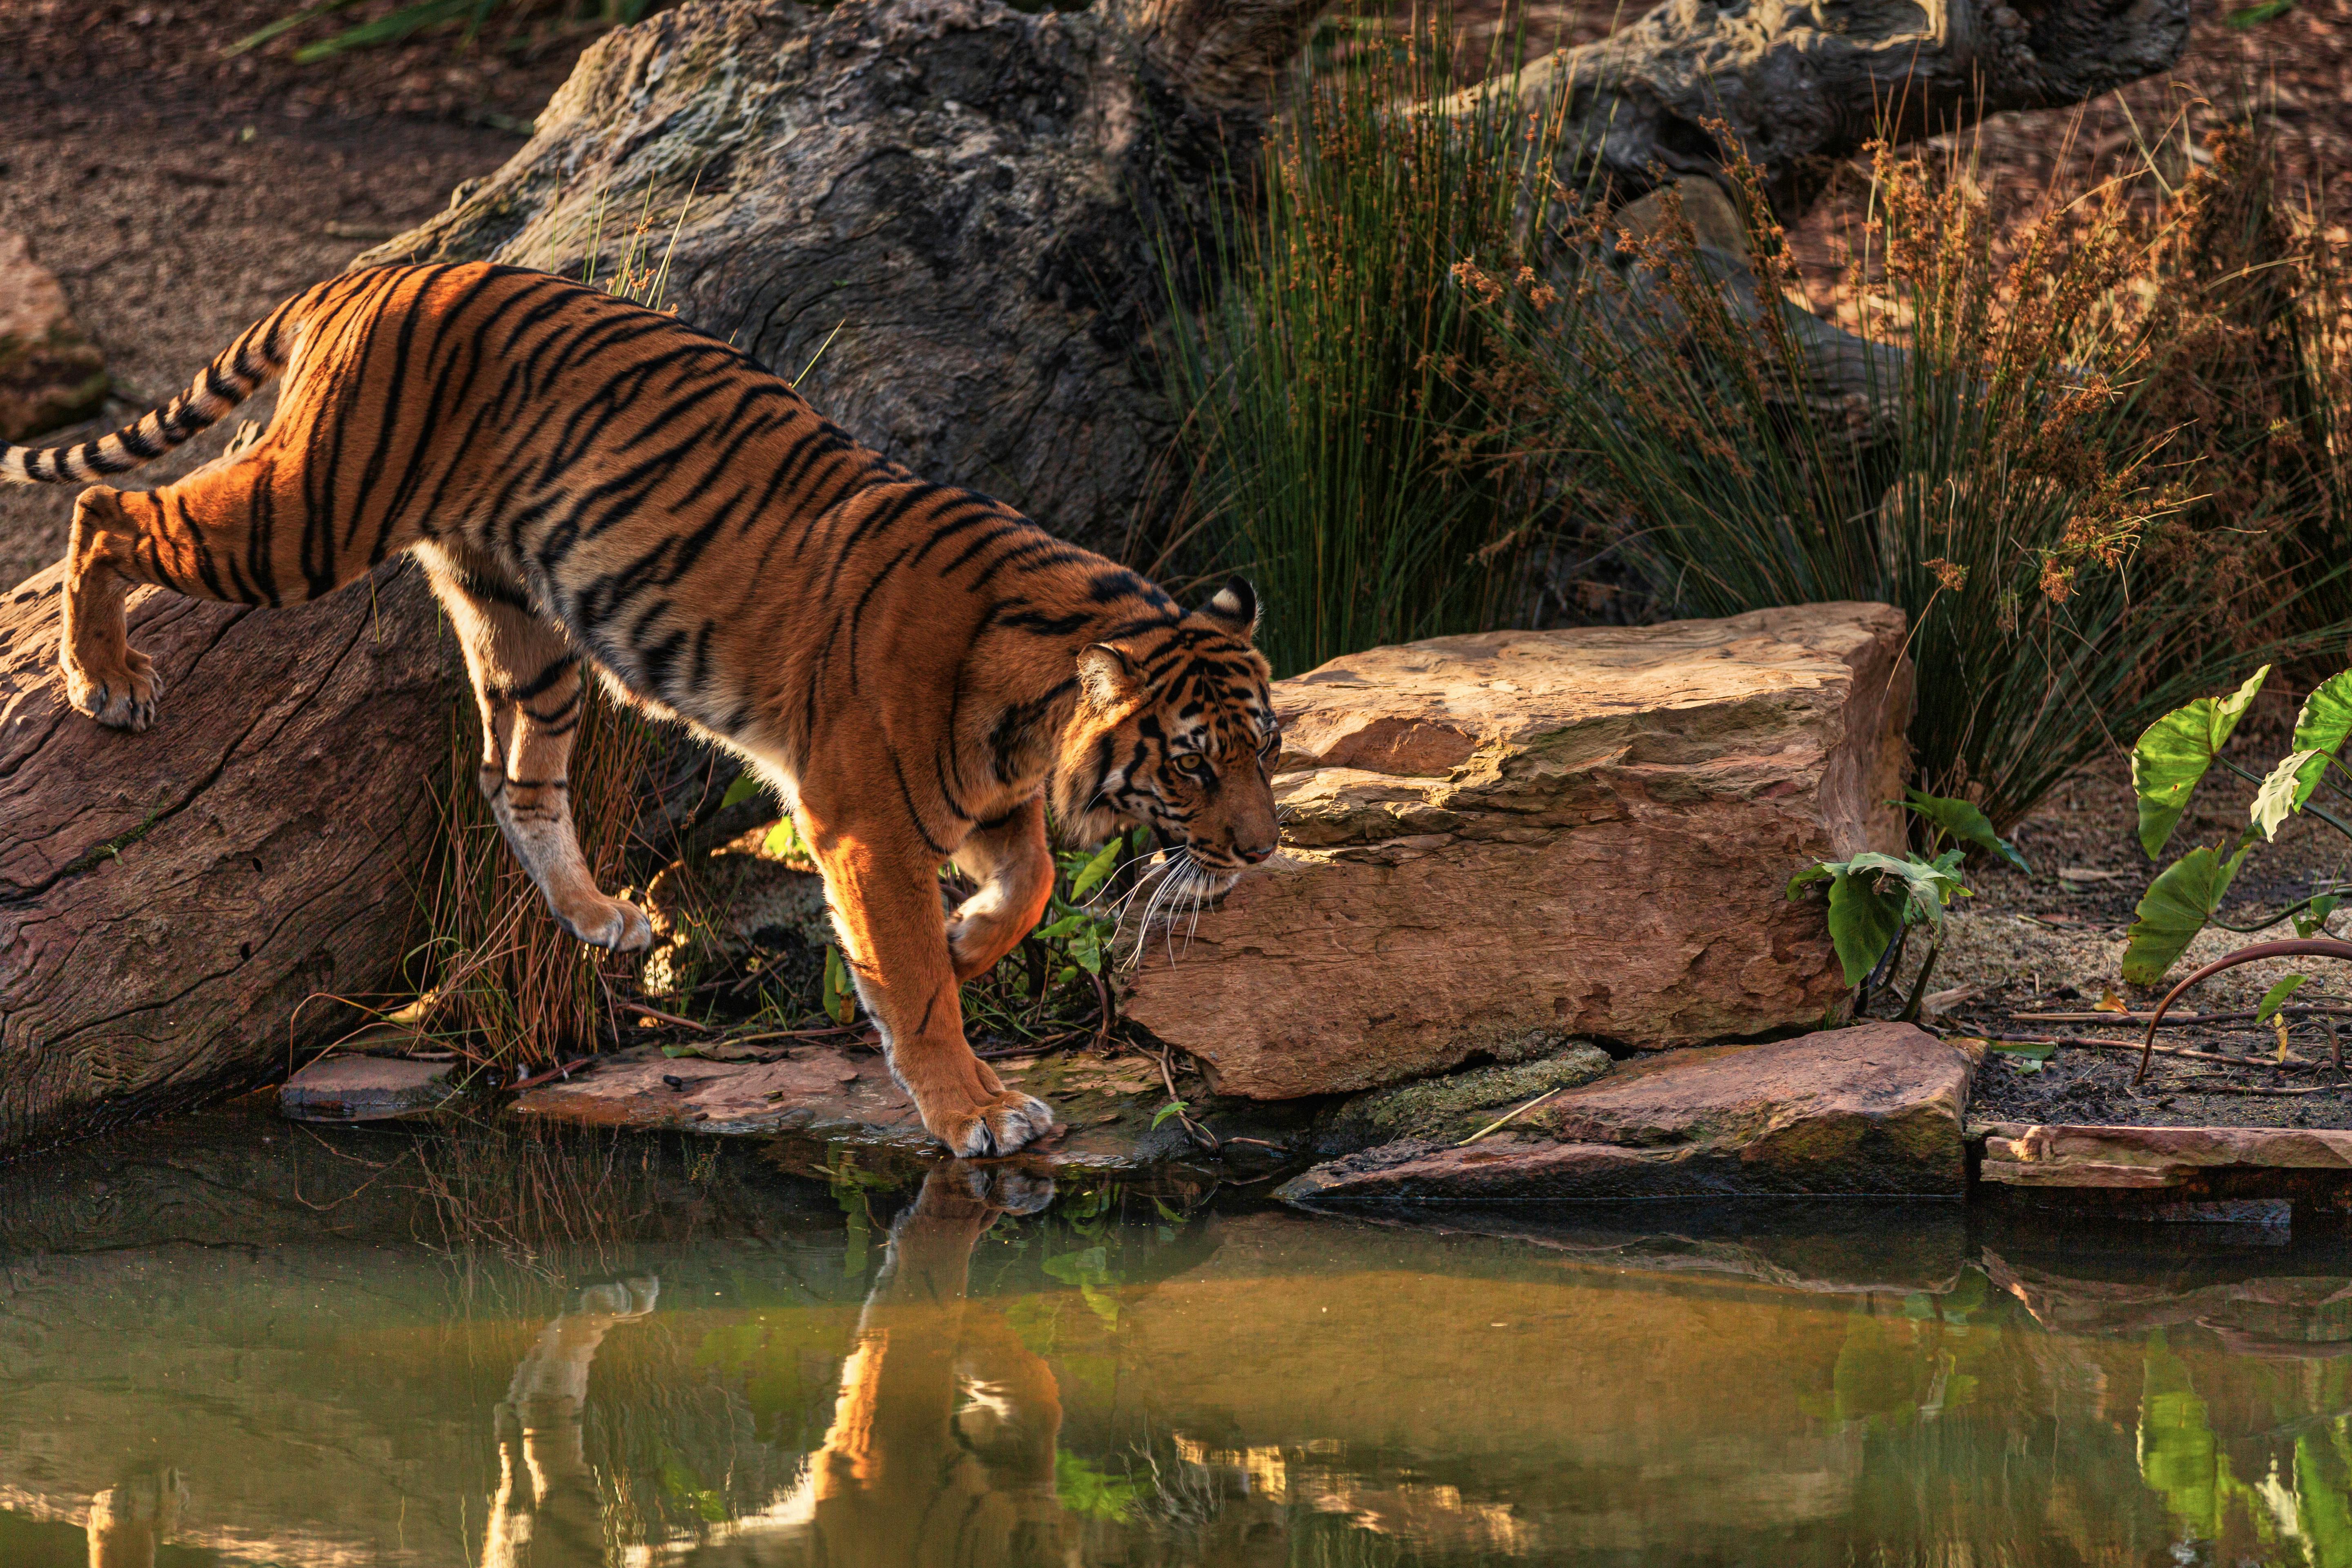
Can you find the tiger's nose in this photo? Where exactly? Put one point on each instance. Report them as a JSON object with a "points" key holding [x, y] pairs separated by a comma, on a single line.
{"points": [[1256, 854]]}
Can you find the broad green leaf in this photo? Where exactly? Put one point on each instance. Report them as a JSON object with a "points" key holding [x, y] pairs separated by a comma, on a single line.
{"points": [[2173, 754], [1091, 874], [1061, 927], [784, 842], [2313, 917], [1965, 823], [2282, 792], [2175, 908], [1085, 948], [1174, 1108], [2275, 997], [1864, 920], [1932, 884], [744, 787], [2038, 1052], [2322, 726]]}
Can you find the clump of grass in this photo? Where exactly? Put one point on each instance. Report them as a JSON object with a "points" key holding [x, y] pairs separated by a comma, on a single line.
{"points": [[1341, 458], [1990, 479], [525, 25]]}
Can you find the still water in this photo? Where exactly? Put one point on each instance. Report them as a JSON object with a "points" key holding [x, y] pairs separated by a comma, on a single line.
{"points": [[231, 1341]]}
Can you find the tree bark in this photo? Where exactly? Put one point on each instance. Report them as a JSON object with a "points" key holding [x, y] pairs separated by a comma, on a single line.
{"points": [[178, 908], [943, 217]]}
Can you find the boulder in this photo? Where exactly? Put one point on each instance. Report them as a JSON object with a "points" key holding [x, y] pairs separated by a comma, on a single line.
{"points": [[1872, 1110], [1453, 1107], [1585, 832], [51, 375]]}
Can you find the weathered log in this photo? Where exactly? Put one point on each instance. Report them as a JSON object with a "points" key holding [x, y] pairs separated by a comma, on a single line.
{"points": [[172, 902]]}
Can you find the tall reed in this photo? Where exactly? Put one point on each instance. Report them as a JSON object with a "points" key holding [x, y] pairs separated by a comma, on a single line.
{"points": [[1340, 461], [1988, 479]]}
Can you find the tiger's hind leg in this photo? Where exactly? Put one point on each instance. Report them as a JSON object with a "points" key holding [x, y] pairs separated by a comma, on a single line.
{"points": [[1014, 867], [231, 530], [528, 685]]}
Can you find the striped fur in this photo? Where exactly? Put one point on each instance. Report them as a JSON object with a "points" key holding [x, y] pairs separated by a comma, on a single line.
{"points": [[590, 485]]}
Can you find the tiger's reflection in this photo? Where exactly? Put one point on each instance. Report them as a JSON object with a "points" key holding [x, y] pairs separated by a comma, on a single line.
{"points": [[941, 1448], [942, 1441], [547, 1510]]}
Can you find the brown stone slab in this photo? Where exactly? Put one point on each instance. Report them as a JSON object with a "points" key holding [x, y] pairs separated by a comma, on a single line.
{"points": [[2017, 1154], [1875, 1109], [1518, 835], [364, 1089], [841, 1093]]}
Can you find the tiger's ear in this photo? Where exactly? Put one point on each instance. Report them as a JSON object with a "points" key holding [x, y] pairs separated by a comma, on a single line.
{"points": [[1107, 675], [1236, 605]]}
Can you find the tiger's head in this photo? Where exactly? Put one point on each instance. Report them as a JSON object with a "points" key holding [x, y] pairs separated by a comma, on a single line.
{"points": [[1175, 730]]}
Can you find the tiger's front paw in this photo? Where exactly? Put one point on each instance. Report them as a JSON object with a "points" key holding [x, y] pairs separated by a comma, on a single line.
{"points": [[122, 698], [995, 1126], [609, 923]]}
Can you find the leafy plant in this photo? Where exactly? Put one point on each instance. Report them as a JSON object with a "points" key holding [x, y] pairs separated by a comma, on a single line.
{"points": [[1875, 899], [2172, 759]]}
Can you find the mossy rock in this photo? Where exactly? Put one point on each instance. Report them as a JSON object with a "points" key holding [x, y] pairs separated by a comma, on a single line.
{"points": [[1453, 1106]]}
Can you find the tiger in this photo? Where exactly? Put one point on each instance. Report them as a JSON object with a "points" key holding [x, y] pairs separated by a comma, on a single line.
{"points": [[920, 671]]}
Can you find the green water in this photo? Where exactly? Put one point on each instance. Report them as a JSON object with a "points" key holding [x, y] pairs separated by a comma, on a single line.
{"points": [[467, 1349]]}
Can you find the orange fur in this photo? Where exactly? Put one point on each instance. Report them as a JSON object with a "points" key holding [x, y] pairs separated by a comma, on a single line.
{"points": [[917, 667]]}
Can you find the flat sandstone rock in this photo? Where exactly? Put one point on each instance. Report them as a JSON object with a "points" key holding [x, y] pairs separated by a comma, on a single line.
{"points": [[1872, 1109], [1583, 833]]}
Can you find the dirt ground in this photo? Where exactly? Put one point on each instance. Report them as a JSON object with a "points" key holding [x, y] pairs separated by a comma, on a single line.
{"points": [[2053, 942], [181, 194]]}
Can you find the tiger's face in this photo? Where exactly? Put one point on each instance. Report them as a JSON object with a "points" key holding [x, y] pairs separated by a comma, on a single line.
{"points": [[1175, 729]]}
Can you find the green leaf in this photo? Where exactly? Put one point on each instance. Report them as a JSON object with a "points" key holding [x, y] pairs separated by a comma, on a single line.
{"points": [[2039, 1053], [744, 787], [2313, 917], [783, 843], [1816, 872], [1061, 927], [2255, 14], [2322, 726], [1091, 874], [681, 1051], [1086, 949], [2173, 754], [2175, 908], [1174, 1108], [840, 996], [2275, 997], [1864, 920], [2282, 791], [1965, 823], [1931, 884]]}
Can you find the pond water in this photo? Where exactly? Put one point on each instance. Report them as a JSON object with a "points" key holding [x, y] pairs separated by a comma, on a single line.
{"points": [[232, 1340]]}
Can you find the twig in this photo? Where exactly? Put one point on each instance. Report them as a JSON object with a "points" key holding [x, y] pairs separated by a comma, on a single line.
{"points": [[661, 1017], [2256, 1088], [563, 1070], [2180, 1020], [1201, 1136], [2305, 947], [1511, 1116], [2132, 1046]]}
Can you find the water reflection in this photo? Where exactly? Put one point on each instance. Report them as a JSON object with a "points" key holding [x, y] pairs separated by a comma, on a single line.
{"points": [[703, 1360]]}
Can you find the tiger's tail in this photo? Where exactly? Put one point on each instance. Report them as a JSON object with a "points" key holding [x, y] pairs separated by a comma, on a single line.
{"points": [[260, 353]]}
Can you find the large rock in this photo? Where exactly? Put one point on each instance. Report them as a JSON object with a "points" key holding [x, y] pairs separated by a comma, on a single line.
{"points": [[1582, 832], [1872, 1109], [50, 374]]}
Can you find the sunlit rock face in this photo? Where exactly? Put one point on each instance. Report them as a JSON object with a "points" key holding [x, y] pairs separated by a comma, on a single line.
{"points": [[1512, 835]]}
